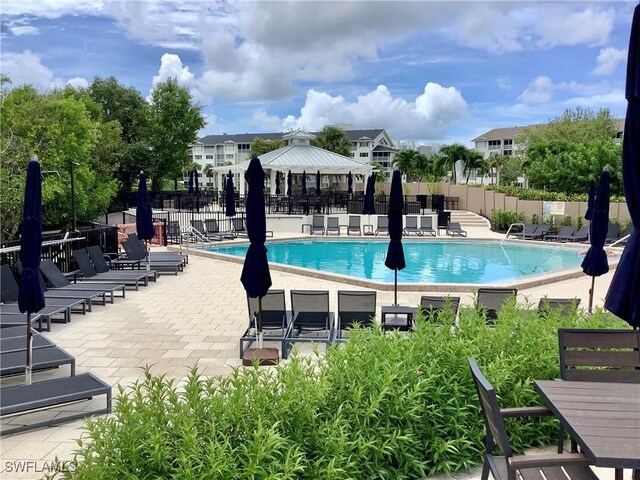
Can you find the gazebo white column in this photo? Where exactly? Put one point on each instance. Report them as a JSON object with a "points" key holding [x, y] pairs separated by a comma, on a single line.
{"points": [[241, 183], [272, 176]]}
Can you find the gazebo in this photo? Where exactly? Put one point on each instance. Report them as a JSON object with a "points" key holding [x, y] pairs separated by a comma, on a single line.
{"points": [[299, 156]]}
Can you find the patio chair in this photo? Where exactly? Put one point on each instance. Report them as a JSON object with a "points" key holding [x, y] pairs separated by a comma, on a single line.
{"points": [[355, 306], [141, 248], [310, 313], [51, 393], [383, 225], [317, 225], [46, 358], [213, 232], [174, 232], [57, 280], [613, 233], [239, 227], [275, 318], [426, 226], [138, 256], [580, 235], [17, 319], [539, 233], [454, 229], [598, 356], [489, 301], [529, 229], [95, 268], [333, 225], [433, 307], [563, 306], [411, 226], [563, 233], [354, 225], [509, 466], [17, 343]]}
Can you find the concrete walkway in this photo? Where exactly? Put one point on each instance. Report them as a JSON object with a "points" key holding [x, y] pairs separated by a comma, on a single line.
{"points": [[196, 317]]}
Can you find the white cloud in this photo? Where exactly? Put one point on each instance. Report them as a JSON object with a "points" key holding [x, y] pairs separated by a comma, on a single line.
{"points": [[78, 82], [27, 68], [608, 59], [171, 67], [51, 8], [20, 30], [426, 117], [586, 27], [543, 90], [540, 90]]}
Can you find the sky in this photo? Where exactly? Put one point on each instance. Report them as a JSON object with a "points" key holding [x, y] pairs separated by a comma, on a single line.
{"points": [[428, 72]]}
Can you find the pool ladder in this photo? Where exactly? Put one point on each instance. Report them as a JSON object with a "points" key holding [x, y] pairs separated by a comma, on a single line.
{"points": [[506, 235]]}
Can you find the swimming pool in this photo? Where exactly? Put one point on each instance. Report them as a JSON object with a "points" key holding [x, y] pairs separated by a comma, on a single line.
{"points": [[431, 262]]}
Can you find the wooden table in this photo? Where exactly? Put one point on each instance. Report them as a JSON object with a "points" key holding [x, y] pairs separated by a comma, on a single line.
{"points": [[604, 418]]}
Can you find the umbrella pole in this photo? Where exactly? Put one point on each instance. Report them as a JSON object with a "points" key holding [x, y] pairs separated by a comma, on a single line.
{"points": [[27, 371], [146, 253], [395, 287], [259, 323], [593, 283]]}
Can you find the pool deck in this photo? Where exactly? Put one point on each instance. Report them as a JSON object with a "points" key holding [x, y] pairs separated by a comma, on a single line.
{"points": [[194, 318]]}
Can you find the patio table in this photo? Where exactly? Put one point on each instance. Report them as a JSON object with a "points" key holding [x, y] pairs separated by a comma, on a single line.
{"points": [[603, 417]]}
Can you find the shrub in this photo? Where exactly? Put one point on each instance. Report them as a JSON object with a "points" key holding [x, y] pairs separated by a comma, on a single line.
{"points": [[535, 218], [502, 219], [566, 221], [382, 406]]}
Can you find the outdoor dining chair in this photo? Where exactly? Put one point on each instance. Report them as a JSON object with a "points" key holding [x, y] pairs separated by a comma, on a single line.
{"points": [[355, 307], [489, 301], [275, 319], [509, 466], [310, 314]]}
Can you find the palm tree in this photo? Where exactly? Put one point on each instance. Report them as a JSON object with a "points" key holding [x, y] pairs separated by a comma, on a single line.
{"points": [[473, 161], [333, 139], [208, 171], [449, 155], [413, 164], [496, 163]]}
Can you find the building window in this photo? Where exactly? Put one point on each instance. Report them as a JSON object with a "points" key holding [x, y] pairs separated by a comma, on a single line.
{"points": [[198, 157], [220, 156], [353, 154], [507, 153], [209, 157], [364, 154], [229, 156], [507, 142], [494, 144], [244, 147]]}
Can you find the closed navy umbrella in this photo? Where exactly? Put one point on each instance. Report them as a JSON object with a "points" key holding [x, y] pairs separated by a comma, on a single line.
{"points": [[196, 188], [277, 183], [595, 261], [350, 184], [588, 215], [191, 182], [369, 207], [395, 252], [31, 296], [230, 200], [304, 183], [289, 183], [623, 297], [144, 220], [318, 191], [256, 278]]}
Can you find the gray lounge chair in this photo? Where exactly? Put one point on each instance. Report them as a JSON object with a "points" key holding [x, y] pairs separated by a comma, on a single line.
{"points": [[383, 225], [158, 255], [355, 307], [613, 232], [333, 225], [310, 313], [17, 343], [426, 226], [539, 233], [17, 319], [56, 278], [95, 268], [434, 306], [317, 225], [562, 234], [454, 229], [135, 254], [528, 229], [14, 363], [411, 226], [580, 235], [354, 225], [51, 393], [564, 306], [489, 301], [213, 231], [275, 320], [239, 227]]}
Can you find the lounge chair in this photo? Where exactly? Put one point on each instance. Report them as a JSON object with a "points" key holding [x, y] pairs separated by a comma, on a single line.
{"points": [[434, 306], [539, 233], [56, 278], [598, 356], [355, 307], [174, 232], [15, 331], [310, 313], [454, 229], [510, 466], [613, 232], [411, 226], [562, 234], [137, 255], [580, 235], [275, 318], [489, 301], [17, 343], [51, 393], [157, 256], [563, 306], [529, 229], [383, 225], [426, 226], [333, 225], [239, 227], [17, 319], [94, 267], [317, 225], [60, 313], [354, 225], [213, 231], [14, 363]]}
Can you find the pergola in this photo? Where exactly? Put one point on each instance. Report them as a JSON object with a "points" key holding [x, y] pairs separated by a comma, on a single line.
{"points": [[297, 157]]}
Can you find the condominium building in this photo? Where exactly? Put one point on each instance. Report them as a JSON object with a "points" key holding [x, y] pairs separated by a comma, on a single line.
{"points": [[371, 145]]}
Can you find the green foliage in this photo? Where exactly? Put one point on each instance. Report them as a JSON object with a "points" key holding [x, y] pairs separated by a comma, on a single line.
{"points": [[448, 155], [543, 195], [260, 146], [378, 174], [535, 218], [333, 139], [59, 127], [502, 219], [380, 406], [566, 221], [174, 122]]}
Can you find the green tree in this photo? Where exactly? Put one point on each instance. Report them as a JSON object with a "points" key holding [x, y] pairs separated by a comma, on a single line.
{"points": [[511, 169], [495, 163], [208, 171], [59, 127], [415, 165], [449, 155], [378, 172], [260, 146], [174, 124], [333, 139], [473, 161], [129, 108]]}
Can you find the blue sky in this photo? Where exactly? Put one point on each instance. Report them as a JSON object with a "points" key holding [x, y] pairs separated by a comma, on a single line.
{"points": [[430, 72]]}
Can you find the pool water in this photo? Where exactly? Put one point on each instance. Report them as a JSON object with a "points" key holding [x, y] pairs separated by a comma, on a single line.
{"points": [[464, 262]]}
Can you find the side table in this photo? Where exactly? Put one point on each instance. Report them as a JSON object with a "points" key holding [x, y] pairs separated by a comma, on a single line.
{"points": [[397, 317]]}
